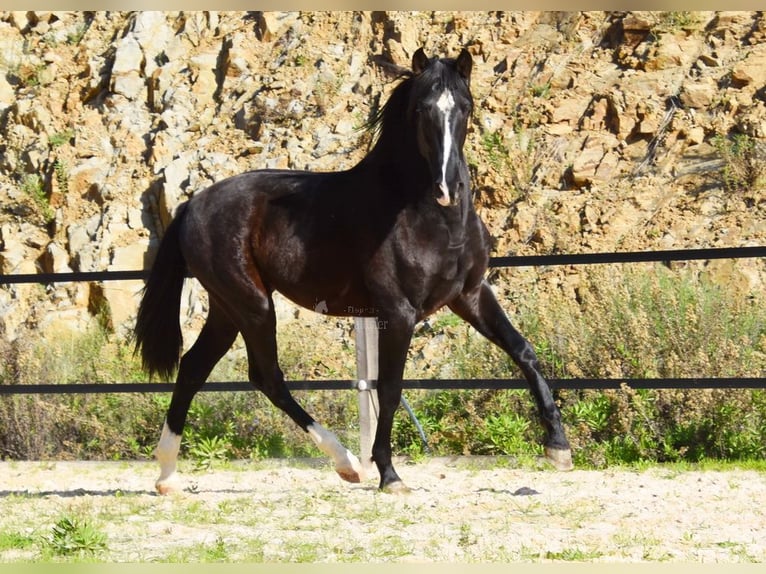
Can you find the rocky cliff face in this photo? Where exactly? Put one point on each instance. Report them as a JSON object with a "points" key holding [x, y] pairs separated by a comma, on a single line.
{"points": [[592, 131]]}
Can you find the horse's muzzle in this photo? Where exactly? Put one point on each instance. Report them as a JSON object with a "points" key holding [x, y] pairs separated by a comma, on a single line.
{"points": [[442, 194]]}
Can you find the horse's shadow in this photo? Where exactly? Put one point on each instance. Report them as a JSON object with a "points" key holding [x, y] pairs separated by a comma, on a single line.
{"points": [[74, 493], [113, 492], [523, 491]]}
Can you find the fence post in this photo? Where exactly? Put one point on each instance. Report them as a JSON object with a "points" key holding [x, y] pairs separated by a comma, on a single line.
{"points": [[367, 376]]}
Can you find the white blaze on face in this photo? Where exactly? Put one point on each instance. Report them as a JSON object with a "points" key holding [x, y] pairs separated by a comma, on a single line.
{"points": [[445, 104]]}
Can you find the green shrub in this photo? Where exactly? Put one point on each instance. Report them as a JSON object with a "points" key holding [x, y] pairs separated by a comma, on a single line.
{"points": [[109, 426], [652, 322], [32, 186], [744, 163], [75, 536], [58, 139]]}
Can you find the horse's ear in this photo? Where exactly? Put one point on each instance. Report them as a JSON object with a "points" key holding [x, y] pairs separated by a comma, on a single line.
{"points": [[419, 61], [465, 64]]}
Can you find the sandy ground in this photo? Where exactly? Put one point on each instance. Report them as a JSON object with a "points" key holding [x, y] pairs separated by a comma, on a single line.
{"points": [[469, 510]]}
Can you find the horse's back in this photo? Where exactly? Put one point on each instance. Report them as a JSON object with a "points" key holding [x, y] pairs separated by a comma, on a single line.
{"points": [[283, 228]]}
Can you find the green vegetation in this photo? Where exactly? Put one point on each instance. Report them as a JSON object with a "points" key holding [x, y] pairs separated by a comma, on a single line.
{"points": [[674, 22], [60, 138], [632, 325], [61, 171], [497, 152], [520, 159], [74, 38], [32, 186], [75, 536], [326, 91], [542, 90], [201, 552], [644, 322], [744, 163], [15, 541], [573, 555], [30, 76]]}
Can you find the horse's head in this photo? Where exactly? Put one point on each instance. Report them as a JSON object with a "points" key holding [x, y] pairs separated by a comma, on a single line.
{"points": [[441, 104]]}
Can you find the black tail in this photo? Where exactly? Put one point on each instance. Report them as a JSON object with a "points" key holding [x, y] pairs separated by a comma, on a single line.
{"points": [[158, 328]]}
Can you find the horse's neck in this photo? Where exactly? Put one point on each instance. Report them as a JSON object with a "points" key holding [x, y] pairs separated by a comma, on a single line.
{"points": [[400, 154], [402, 173], [397, 175]]}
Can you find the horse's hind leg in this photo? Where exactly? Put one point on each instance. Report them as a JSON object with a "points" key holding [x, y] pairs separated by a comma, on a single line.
{"points": [[483, 312], [214, 340], [265, 374]]}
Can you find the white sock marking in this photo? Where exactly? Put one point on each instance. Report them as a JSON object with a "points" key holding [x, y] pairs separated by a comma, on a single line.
{"points": [[167, 454], [329, 444], [445, 103]]}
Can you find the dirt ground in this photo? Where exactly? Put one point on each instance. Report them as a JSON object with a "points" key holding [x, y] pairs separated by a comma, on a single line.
{"points": [[462, 509]]}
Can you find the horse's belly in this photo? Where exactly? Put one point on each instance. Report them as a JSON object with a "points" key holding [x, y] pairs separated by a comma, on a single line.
{"points": [[325, 295]]}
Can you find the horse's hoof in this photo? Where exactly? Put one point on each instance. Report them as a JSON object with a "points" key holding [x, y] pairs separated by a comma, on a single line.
{"points": [[350, 474], [164, 488], [561, 459], [396, 487], [352, 470]]}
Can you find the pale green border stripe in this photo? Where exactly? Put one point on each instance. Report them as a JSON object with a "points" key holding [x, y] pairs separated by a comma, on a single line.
{"points": [[392, 568], [660, 5], [397, 568]]}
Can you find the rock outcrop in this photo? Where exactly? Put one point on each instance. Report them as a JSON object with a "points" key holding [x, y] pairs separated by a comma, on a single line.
{"points": [[592, 131]]}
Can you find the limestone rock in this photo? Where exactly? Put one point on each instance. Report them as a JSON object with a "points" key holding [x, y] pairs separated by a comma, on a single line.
{"points": [[700, 94], [88, 177], [571, 110], [121, 296], [13, 253], [152, 33], [138, 111], [7, 95], [596, 161], [751, 71], [128, 56], [55, 259], [176, 175], [127, 67], [636, 28], [20, 19], [271, 24]]}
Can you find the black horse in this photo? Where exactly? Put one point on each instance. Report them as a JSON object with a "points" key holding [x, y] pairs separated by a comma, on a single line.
{"points": [[395, 237]]}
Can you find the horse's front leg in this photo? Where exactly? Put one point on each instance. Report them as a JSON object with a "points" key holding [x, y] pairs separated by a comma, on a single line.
{"points": [[394, 337], [480, 308]]}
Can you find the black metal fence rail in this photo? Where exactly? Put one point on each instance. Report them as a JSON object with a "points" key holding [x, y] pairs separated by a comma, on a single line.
{"points": [[629, 257], [512, 261], [506, 261], [433, 384]]}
